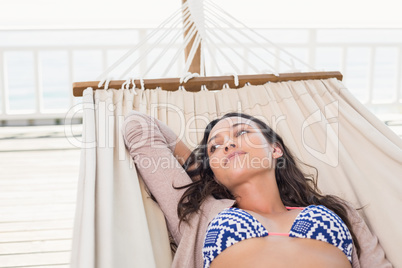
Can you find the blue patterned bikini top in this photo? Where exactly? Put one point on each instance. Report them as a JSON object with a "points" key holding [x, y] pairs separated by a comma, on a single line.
{"points": [[233, 225]]}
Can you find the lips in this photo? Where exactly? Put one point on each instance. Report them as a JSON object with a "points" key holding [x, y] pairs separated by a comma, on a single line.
{"points": [[233, 154]]}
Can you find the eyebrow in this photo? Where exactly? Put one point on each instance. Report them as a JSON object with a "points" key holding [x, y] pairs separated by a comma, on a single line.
{"points": [[234, 125]]}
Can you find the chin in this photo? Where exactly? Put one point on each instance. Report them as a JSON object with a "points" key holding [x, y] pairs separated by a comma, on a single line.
{"points": [[240, 175]]}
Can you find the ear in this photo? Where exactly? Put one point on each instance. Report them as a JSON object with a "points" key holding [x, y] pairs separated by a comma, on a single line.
{"points": [[277, 151]]}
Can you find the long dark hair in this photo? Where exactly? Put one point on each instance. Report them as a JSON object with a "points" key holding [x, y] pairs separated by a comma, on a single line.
{"points": [[296, 188]]}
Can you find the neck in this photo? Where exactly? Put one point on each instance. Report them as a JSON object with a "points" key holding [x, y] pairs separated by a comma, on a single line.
{"points": [[260, 194]]}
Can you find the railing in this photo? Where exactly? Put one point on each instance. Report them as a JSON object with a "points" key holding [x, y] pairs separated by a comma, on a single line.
{"points": [[38, 67]]}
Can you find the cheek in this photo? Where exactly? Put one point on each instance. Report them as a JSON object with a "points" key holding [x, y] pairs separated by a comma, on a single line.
{"points": [[252, 140], [213, 162], [260, 152], [257, 144], [219, 168], [217, 164]]}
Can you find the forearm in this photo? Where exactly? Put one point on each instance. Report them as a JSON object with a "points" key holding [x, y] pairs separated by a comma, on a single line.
{"points": [[181, 152], [179, 149]]}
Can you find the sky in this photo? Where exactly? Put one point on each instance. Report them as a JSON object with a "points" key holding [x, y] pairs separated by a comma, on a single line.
{"points": [[49, 14]]}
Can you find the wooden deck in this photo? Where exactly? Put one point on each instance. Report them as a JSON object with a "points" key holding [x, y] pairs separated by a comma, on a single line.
{"points": [[38, 183]]}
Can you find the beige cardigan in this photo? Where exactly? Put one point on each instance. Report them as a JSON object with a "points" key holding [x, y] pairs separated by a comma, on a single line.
{"points": [[151, 143]]}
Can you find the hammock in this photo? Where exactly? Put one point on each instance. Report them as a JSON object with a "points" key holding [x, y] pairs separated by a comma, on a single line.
{"points": [[118, 225]]}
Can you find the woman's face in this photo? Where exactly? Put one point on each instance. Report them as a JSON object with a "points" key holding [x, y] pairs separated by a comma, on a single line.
{"points": [[238, 150]]}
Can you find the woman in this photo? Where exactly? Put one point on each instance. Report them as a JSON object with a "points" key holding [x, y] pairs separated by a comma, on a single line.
{"points": [[247, 203]]}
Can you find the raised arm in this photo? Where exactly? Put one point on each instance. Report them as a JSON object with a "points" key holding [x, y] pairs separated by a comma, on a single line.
{"points": [[150, 143], [180, 150]]}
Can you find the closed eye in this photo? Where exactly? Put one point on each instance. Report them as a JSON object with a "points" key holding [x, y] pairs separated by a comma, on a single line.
{"points": [[241, 132], [214, 147]]}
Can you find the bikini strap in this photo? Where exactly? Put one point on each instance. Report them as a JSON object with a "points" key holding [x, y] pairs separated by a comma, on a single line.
{"points": [[301, 208], [278, 234]]}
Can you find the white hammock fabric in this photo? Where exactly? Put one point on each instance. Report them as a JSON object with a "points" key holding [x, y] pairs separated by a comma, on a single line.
{"points": [[358, 158]]}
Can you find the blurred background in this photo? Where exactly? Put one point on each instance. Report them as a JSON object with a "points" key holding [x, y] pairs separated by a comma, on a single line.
{"points": [[46, 45]]}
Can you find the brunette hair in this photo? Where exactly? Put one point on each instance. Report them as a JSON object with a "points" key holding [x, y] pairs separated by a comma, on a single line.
{"points": [[296, 188]]}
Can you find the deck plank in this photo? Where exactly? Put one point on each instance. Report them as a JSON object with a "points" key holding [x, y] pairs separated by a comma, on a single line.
{"points": [[37, 194], [36, 225], [25, 260], [57, 234], [59, 197], [35, 246]]}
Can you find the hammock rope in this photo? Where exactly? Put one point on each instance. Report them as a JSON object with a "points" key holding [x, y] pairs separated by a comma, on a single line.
{"points": [[204, 24]]}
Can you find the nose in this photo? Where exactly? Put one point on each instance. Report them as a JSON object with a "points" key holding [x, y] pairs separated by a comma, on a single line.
{"points": [[229, 144]]}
